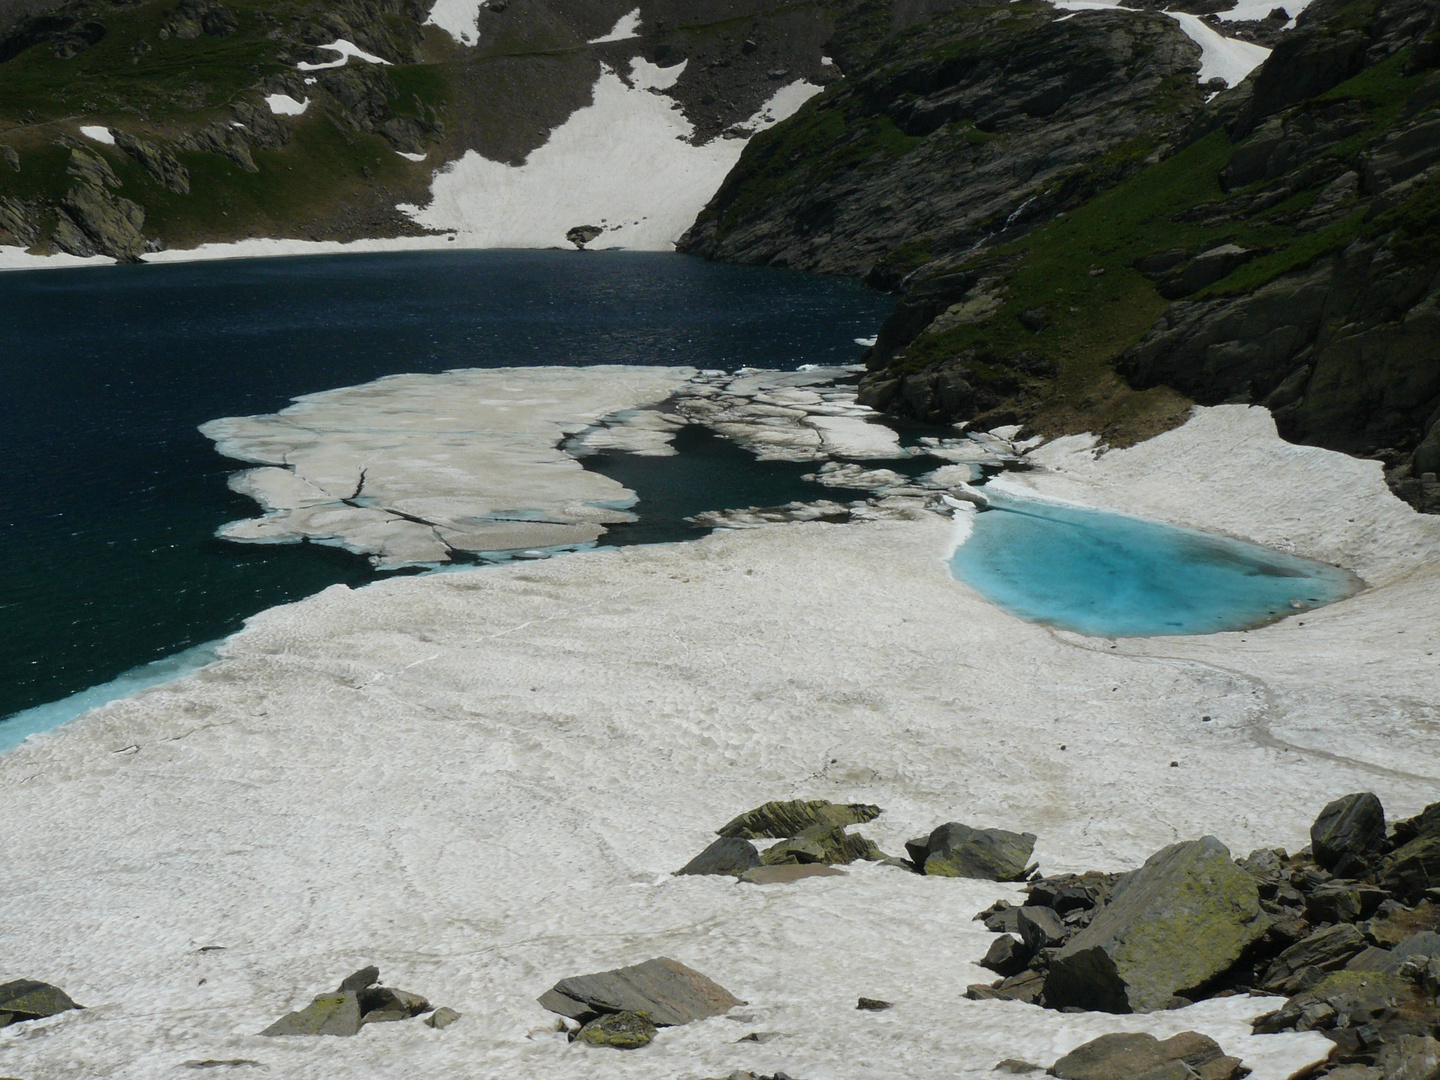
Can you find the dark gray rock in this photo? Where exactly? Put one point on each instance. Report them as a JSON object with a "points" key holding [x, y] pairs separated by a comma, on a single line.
{"points": [[29, 999], [329, 1014], [1027, 986], [1353, 825], [1205, 269], [1172, 926], [782, 819], [1040, 928], [667, 991], [442, 1017], [10, 157], [366, 976], [1006, 956], [956, 850], [1132, 1055], [727, 855], [92, 220], [873, 1005], [1343, 901], [581, 235]]}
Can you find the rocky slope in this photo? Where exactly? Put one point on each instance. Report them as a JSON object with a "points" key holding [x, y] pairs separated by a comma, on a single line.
{"points": [[233, 120], [1081, 241]]}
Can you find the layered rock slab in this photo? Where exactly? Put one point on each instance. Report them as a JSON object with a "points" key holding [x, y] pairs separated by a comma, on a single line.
{"points": [[665, 990]]}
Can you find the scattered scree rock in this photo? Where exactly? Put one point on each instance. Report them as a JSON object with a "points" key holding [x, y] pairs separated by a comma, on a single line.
{"points": [[727, 855], [668, 992], [956, 850], [627, 1030]]}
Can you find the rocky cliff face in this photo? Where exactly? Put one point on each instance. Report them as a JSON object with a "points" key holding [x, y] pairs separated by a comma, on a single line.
{"points": [[1081, 242], [233, 119]]}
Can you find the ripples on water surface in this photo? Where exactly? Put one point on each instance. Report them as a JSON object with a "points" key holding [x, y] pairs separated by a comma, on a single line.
{"points": [[112, 496]]}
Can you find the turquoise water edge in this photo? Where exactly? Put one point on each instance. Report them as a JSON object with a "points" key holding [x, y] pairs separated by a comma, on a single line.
{"points": [[1109, 575]]}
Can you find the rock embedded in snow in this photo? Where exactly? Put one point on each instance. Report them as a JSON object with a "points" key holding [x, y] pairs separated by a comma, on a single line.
{"points": [[30, 999], [628, 1030], [328, 1014], [728, 855], [1141, 1056], [956, 850], [354, 983], [785, 873], [822, 844], [442, 1017], [1183, 918], [667, 991], [781, 819], [1006, 956]]}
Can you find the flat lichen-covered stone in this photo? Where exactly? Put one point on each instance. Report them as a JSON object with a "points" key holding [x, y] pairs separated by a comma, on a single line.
{"points": [[328, 1014], [1129, 1055], [30, 999], [1183, 918], [665, 990], [781, 819], [622, 1030]]}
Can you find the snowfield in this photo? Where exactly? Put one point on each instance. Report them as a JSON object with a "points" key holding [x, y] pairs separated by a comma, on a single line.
{"points": [[623, 163], [481, 780]]}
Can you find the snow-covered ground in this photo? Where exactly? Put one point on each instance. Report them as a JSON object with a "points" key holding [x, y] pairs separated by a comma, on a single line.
{"points": [[624, 163], [481, 781], [1220, 56]]}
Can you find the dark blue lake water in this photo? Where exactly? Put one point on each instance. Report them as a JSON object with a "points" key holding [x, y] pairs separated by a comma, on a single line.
{"points": [[1108, 575], [112, 497]]}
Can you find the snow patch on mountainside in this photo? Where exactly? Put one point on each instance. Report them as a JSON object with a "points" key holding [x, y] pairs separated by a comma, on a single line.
{"points": [[624, 163], [458, 18], [625, 28]]}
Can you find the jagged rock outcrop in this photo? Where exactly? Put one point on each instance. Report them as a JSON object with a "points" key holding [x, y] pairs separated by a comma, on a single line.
{"points": [[976, 122], [1278, 246]]}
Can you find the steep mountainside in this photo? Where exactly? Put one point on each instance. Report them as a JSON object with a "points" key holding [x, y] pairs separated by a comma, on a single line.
{"points": [[1080, 242], [128, 125]]}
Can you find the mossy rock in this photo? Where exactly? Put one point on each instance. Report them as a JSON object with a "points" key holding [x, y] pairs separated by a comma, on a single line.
{"points": [[781, 819], [1170, 928], [822, 844], [622, 1031], [29, 999]]}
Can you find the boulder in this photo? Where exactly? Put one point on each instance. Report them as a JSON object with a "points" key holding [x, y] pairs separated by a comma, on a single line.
{"points": [[1172, 926], [873, 1004], [442, 1017], [788, 872], [1410, 1057], [328, 1014], [1133, 1055], [956, 850], [728, 855], [628, 1030], [668, 992], [1006, 956], [1353, 826], [29, 999], [1040, 928], [779, 820], [1343, 901]]}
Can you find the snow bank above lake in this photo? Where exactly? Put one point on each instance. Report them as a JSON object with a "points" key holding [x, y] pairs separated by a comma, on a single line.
{"points": [[481, 781], [624, 164]]}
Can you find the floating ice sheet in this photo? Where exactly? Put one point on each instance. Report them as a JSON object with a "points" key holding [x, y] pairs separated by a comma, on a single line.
{"points": [[411, 469]]}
